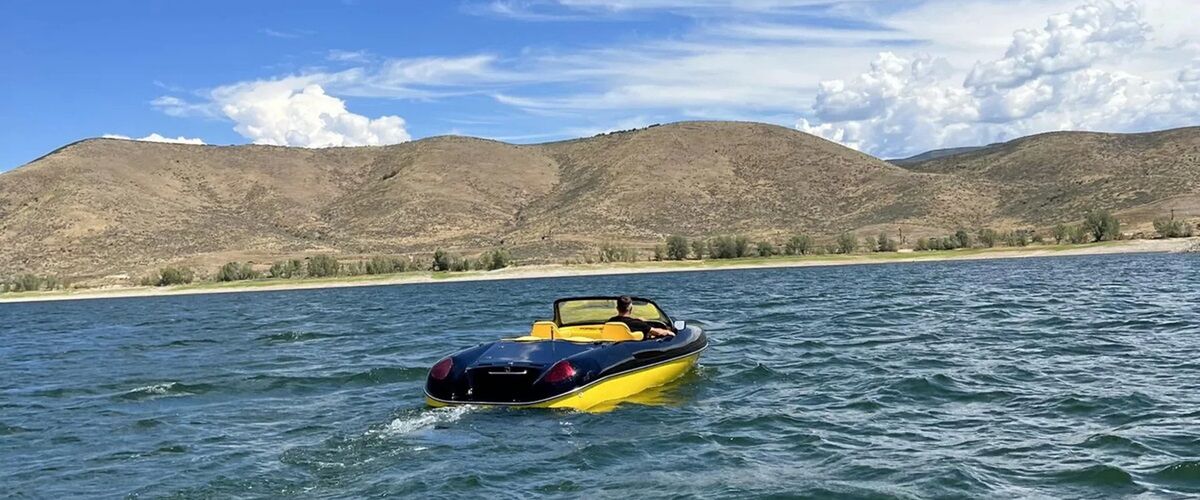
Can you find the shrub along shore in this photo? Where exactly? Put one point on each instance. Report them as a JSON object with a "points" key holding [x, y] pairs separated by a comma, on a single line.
{"points": [[1097, 227]]}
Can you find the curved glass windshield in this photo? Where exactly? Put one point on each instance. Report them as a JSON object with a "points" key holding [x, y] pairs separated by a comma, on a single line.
{"points": [[597, 311]]}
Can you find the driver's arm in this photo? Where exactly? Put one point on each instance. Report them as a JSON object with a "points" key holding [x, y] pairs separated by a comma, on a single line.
{"points": [[661, 332]]}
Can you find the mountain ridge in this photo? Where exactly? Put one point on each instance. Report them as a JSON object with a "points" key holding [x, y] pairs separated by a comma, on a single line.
{"points": [[104, 206]]}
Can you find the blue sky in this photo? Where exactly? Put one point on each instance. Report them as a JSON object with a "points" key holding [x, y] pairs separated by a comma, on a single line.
{"points": [[887, 77]]}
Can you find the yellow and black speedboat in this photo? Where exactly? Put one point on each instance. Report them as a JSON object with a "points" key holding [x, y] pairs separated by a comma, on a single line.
{"points": [[576, 361]]}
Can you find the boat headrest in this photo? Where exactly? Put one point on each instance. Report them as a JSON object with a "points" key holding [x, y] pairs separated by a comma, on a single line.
{"points": [[618, 332], [544, 329]]}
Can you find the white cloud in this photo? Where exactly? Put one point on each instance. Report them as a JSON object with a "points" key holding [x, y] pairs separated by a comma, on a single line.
{"points": [[350, 56], [550, 10], [177, 107], [297, 112], [303, 110], [1105, 65], [1049, 79], [274, 33], [155, 137], [1069, 42]]}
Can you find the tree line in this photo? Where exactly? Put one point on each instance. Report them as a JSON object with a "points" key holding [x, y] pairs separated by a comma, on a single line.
{"points": [[327, 266], [1095, 227], [31, 283]]}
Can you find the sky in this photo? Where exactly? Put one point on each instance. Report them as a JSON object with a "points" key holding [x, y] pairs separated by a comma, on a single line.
{"points": [[891, 78]]}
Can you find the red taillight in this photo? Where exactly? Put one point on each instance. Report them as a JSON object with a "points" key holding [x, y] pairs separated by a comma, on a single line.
{"points": [[561, 371], [442, 369]]}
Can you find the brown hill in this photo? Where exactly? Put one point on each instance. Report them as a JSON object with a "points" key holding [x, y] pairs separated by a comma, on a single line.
{"points": [[105, 206], [1055, 177]]}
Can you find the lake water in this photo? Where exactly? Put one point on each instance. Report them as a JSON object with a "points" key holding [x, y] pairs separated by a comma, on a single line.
{"points": [[1060, 377]]}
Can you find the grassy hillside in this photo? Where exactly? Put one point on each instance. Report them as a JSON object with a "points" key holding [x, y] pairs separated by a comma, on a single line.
{"points": [[105, 206], [1050, 178]]}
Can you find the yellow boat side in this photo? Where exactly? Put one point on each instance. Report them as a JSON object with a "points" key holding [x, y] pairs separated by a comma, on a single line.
{"points": [[615, 387]]}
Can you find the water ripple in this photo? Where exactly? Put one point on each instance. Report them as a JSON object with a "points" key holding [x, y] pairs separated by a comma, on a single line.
{"points": [[1046, 378]]}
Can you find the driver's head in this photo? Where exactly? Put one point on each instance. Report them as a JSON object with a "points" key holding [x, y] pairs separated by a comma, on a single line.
{"points": [[624, 304]]}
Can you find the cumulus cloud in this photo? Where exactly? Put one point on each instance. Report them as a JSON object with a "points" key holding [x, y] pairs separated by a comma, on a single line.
{"points": [[763, 60], [1049, 79], [1069, 42], [155, 137], [298, 112]]}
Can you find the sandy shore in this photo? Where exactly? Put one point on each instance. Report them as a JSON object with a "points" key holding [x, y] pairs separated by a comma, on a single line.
{"points": [[555, 271]]}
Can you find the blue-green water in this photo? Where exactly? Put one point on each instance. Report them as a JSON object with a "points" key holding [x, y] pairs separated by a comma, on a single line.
{"points": [[1064, 377]]}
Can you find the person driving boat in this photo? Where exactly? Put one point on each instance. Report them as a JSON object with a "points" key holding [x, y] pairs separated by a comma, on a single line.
{"points": [[624, 307]]}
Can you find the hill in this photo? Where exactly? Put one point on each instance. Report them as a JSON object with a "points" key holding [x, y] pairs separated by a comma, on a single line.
{"points": [[105, 206], [1050, 178], [933, 155]]}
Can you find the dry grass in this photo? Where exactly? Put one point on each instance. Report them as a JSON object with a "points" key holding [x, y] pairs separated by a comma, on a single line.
{"points": [[103, 207]]}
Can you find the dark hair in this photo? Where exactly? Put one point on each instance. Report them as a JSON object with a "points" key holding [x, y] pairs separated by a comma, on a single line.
{"points": [[624, 302]]}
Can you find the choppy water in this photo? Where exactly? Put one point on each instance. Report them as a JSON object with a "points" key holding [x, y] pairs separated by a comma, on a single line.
{"points": [[1065, 377]]}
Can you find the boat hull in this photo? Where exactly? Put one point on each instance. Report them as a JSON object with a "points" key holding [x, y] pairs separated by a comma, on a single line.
{"points": [[607, 389]]}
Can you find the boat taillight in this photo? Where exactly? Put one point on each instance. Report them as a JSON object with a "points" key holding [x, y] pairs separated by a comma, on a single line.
{"points": [[563, 370], [442, 369]]}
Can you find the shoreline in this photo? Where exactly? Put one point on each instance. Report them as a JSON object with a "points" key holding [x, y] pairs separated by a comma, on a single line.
{"points": [[609, 269]]}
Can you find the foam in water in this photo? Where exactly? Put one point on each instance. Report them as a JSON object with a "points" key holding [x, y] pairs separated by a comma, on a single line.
{"points": [[153, 390], [423, 420]]}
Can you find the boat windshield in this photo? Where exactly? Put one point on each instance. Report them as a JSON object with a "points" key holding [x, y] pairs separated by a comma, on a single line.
{"points": [[596, 311]]}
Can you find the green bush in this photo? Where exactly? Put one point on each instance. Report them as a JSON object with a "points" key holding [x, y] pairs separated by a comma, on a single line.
{"points": [[799, 245], [988, 237], [385, 265], [742, 245], [358, 268], [699, 249], [168, 276], [1018, 238], [1079, 234], [660, 252], [234, 271], [922, 245], [885, 244], [765, 248], [459, 264], [449, 262], [723, 247], [322, 266], [846, 243], [30, 283], [729, 247], [286, 269], [677, 248], [441, 260], [617, 253], [495, 259], [962, 239], [1102, 226], [1062, 234], [869, 244], [1168, 228]]}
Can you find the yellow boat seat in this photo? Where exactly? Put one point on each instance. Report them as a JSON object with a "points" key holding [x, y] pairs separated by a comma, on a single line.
{"points": [[544, 330], [618, 332]]}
